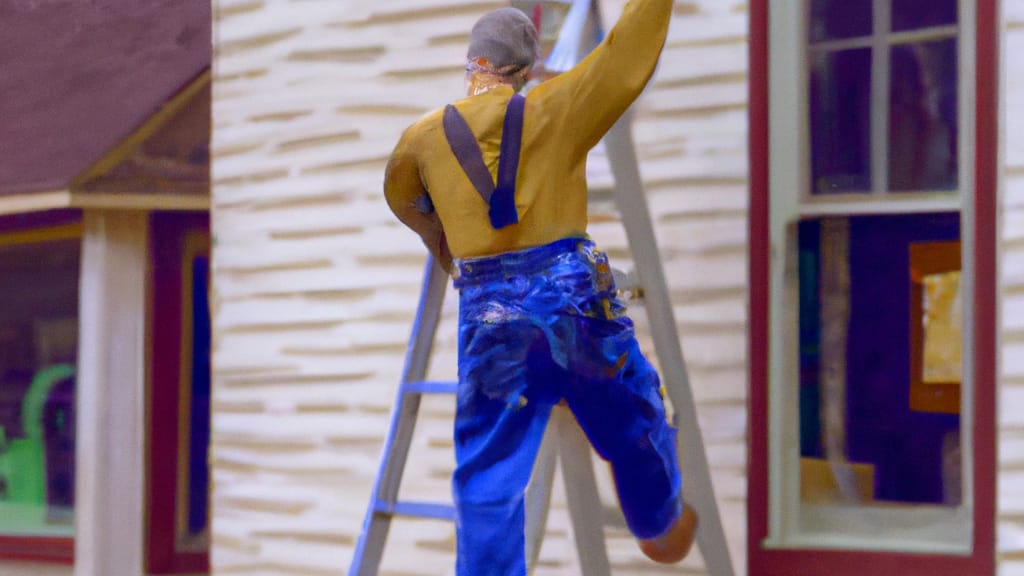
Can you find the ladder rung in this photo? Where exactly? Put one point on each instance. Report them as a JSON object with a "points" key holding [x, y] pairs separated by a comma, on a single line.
{"points": [[418, 510], [430, 387]]}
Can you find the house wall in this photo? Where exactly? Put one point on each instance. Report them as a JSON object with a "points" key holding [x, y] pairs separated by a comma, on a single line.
{"points": [[315, 282], [1010, 502]]}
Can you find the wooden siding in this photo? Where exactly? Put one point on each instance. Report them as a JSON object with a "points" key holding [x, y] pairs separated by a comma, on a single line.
{"points": [[316, 283], [1010, 529]]}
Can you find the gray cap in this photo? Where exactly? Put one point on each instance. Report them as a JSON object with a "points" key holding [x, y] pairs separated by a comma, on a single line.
{"points": [[506, 37]]}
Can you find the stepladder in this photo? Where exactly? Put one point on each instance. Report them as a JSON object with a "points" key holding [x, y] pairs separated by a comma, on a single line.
{"points": [[564, 443]]}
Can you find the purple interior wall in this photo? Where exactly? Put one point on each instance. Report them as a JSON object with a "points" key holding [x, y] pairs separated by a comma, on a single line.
{"points": [[904, 445]]}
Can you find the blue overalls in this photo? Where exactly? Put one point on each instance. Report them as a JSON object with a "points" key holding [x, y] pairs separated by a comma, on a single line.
{"points": [[538, 326]]}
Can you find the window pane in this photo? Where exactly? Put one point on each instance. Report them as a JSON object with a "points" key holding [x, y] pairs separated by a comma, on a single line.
{"points": [[923, 117], [199, 408], [915, 14], [38, 348], [879, 360], [840, 110], [835, 19]]}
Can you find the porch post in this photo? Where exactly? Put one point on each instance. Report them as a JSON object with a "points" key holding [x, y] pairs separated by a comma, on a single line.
{"points": [[110, 462]]}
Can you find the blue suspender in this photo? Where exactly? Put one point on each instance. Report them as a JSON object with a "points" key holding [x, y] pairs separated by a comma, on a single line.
{"points": [[500, 197]]}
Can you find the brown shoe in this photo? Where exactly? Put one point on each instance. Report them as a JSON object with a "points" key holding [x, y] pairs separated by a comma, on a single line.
{"points": [[674, 545]]}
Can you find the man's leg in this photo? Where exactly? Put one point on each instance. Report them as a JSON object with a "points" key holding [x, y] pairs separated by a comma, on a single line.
{"points": [[675, 544], [617, 400], [489, 486], [499, 425]]}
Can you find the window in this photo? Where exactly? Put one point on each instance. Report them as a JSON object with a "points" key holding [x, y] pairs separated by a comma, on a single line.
{"points": [[871, 288], [179, 509], [40, 259], [39, 262], [882, 121]]}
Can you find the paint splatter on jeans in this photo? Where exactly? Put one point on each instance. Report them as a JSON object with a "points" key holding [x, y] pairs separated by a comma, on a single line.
{"points": [[536, 327]]}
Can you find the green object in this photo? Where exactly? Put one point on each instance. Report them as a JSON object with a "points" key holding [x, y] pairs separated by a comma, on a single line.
{"points": [[21, 470], [23, 460], [4, 465], [25, 475], [35, 398]]}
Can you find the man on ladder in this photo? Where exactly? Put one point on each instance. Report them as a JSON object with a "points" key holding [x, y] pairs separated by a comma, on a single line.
{"points": [[539, 319]]}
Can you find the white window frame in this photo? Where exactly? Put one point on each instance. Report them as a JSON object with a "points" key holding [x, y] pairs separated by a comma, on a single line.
{"points": [[792, 524]]}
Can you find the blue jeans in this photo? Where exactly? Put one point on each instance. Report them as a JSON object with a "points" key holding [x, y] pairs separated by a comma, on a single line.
{"points": [[535, 327]]}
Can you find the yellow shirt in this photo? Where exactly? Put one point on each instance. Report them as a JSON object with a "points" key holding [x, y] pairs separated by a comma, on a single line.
{"points": [[564, 118]]}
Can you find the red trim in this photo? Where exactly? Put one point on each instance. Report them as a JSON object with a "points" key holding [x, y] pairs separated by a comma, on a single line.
{"points": [[34, 549], [760, 242], [167, 241], [763, 562], [986, 160]]}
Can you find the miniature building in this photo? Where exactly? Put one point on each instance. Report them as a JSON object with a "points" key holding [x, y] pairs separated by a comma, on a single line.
{"points": [[104, 254]]}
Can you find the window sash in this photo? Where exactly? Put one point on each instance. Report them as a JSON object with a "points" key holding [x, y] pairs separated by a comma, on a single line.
{"points": [[888, 38], [881, 41], [792, 524]]}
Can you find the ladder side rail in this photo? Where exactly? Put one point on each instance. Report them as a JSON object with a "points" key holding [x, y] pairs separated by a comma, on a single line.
{"points": [[631, 200], [538, 496], [370, 547], [584, 501], [417, 361]]}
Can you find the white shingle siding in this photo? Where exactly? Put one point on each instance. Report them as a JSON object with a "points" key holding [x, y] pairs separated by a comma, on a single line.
{"points": [[1010, 498]]}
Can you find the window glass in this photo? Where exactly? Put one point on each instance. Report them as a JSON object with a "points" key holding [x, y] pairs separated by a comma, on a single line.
{"points": [[840, 114], [837, 19], [198, 409], [38, 348], [916, 14], [923, 116], [880, 360]]}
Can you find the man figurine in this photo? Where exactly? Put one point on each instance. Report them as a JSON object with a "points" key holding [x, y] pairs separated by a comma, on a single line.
{"points": [[539, 319]]}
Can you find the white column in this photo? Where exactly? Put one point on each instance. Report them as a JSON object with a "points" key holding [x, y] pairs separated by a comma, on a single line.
{"points": [[110, 448]]}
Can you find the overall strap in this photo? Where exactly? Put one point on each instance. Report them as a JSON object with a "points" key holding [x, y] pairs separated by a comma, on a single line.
{"points": [[467, 152], [503, 202], [500, 198]]}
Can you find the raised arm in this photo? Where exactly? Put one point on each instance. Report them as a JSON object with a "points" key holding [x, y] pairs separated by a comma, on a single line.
{"points": [[408, 199], [598, 90]]}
